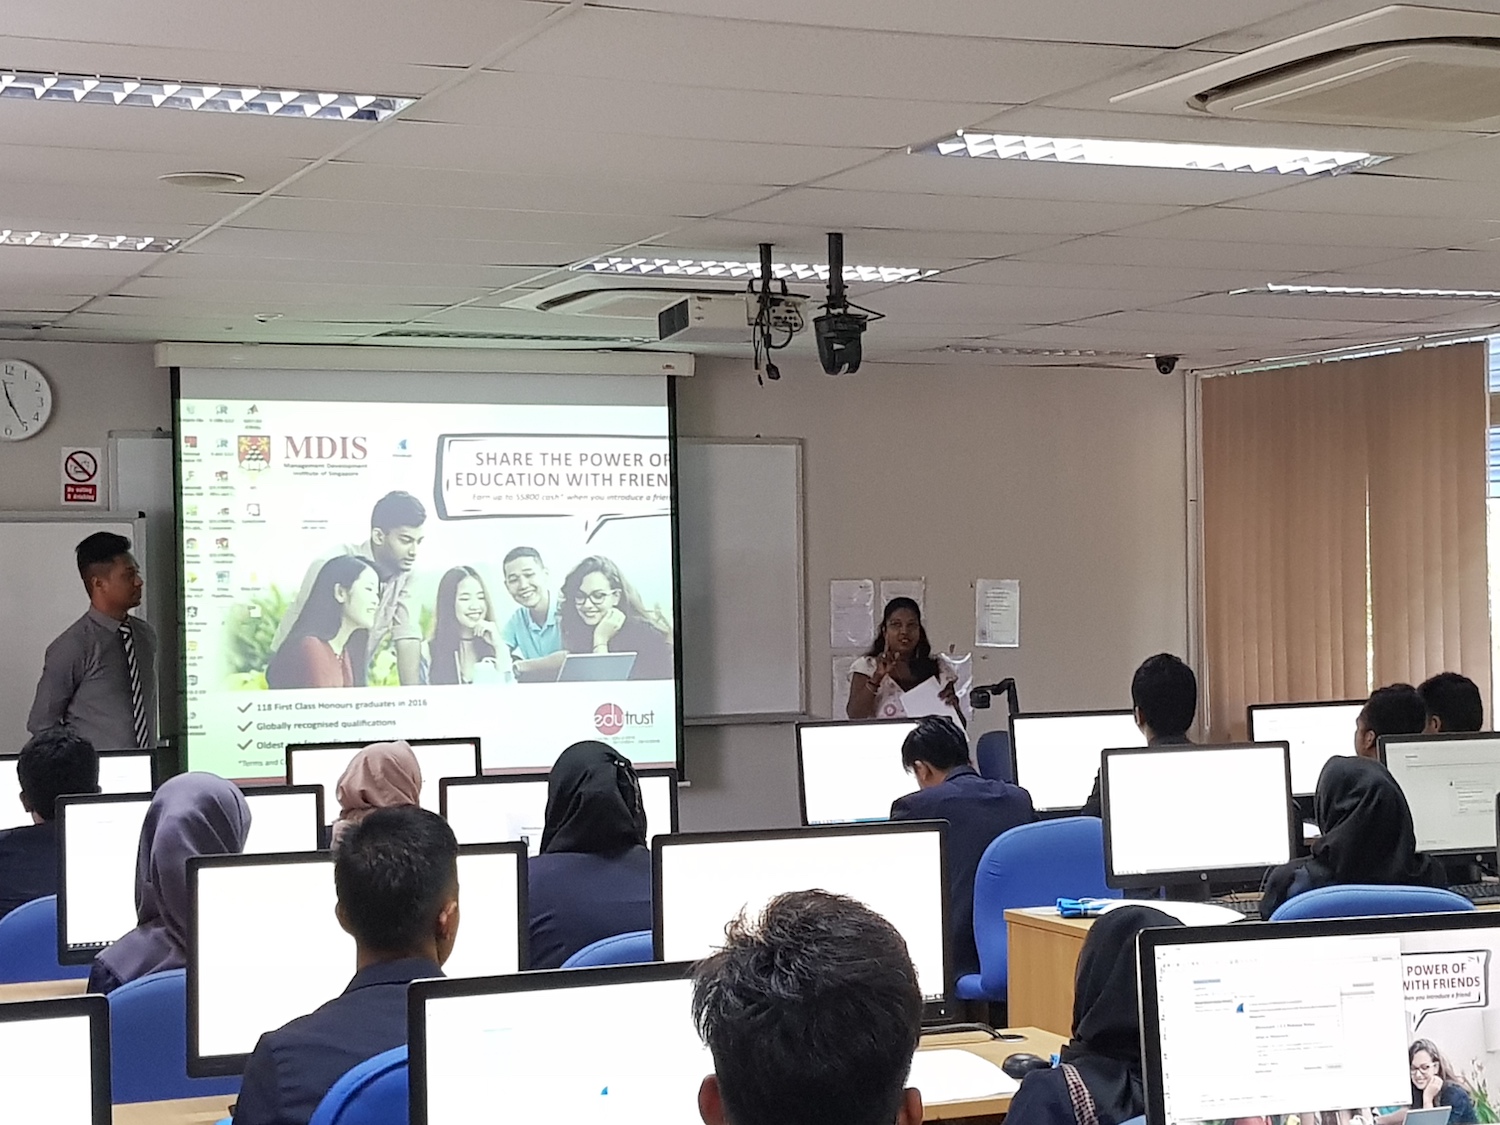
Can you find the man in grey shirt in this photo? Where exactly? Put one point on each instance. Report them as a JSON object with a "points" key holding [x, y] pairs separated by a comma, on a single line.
{"points": [[99, 675]]}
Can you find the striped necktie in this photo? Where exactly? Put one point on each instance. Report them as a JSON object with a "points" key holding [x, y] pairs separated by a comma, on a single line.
{"points": [[137, 696]]}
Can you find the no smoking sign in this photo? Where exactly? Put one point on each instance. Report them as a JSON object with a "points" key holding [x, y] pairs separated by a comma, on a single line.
{"points": [[80, 476]]}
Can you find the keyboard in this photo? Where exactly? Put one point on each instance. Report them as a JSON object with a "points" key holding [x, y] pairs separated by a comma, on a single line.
{"points": [[1247, 905], [1480, 894]]}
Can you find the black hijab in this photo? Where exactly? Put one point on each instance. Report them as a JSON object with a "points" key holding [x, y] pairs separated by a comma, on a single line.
{"points": [[593, 803], [1106, 1043], [1366, 835]]}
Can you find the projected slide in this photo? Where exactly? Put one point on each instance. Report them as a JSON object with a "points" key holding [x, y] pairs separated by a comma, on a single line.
{"points": [[494, 559]]}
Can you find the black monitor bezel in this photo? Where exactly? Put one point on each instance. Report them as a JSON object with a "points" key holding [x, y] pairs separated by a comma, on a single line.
{"points": [[251, 789], [1479, 854], [546, 980], [84, 955], [1149, 941], [1196, 876], [1015, 760], [1252, 708], [802, 773], [95, 1008], [935, 1008], [217, 1066], [533, 777], [286, 756]]}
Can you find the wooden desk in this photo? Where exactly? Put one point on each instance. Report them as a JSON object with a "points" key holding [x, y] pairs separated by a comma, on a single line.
{"points": [[1035, 1042], [185, 1111], [42, 989], [1043, 954]]}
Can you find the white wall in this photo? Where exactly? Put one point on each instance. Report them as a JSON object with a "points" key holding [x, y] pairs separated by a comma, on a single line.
{"points": [[1070, 481], [95, 388]]}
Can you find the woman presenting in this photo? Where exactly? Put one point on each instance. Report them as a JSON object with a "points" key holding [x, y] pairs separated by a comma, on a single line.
{"points": [[326, 645], [899, 660]]}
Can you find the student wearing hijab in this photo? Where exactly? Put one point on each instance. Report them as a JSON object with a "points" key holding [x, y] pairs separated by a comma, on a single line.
{"points": [[1366, 836], [1105, 1051], [384, 775], [191, 814], [592, 879]]}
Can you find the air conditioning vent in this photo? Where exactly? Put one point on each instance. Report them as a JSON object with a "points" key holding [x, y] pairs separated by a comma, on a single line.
{"points": [[1433, 83]]}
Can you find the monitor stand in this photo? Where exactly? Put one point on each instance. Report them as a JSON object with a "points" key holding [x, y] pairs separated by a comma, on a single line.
{"points": [[1462, 869], [1188, 892]]}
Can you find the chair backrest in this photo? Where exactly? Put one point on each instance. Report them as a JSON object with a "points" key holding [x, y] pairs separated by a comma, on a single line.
{"points": [[28, 944], [992, 756], [148, 1042], [372, 1093], [1361, 900], [623, 949], [1033, 865]]}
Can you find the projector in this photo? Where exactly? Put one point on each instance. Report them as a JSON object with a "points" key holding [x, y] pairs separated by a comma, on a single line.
{"points": [[724, 318]]}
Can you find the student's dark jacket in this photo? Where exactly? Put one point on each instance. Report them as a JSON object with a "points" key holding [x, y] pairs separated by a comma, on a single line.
{"points": [[977, 810], [28, 864], [1093, 806], [294, 1066], [576, 898]]}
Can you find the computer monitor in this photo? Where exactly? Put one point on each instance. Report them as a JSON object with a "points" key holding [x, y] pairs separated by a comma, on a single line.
{"points": [[1056, 753], [1314, 731], [323, 763], [1195, 815], [264, 946], [284, 818], [54, 1061], [497, 807], [1322, 1020], [1450, 782], [98, 838], [636, 1057], [120, 771], [851, 772], [701, 881]]}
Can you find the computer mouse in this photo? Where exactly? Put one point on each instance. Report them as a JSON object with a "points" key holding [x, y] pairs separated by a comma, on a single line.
{"points": [[1021, 1064]]}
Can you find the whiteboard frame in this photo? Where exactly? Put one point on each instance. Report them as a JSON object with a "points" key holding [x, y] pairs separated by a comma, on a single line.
{"points": [[772, 717]]}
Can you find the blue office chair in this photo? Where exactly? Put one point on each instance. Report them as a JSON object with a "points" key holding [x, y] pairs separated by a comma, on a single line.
{"points": [[372, 1093], [28, 944], [992, 755], [622, 949], [1361, 900], [148, 1043], [1031, 865]]}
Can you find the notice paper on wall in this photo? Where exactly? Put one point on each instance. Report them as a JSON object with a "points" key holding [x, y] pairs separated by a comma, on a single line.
{"points": [[913, 588], [840, 697], [851, 613], [997, 612]]}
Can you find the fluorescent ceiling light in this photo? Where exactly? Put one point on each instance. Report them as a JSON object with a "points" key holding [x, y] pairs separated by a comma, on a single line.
{"points": [[1043, 353], [39, 86], [1153, 154], [71, 241], [1373, 291], [792, 271]]}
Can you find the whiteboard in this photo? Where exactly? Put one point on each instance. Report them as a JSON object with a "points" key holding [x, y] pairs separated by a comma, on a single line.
{"points": [[41, 595], [739, 503]]}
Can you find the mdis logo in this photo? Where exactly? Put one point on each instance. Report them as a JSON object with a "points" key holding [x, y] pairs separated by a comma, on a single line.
{"points": [[611, 718]]}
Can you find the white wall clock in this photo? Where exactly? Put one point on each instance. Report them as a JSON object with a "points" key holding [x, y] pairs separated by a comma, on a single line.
{"points": [[26, 403]]}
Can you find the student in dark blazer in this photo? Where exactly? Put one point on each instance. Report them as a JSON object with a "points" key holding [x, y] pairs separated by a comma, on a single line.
{"points": [[1164, 693], [976, 808], [56, 762], [396, 873]]}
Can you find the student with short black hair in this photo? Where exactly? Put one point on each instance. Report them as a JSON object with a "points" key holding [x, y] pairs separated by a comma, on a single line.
{"points": [[55, 763], [976, 808], [396, 873], [1164, 693], [812, 1014], [1393, 709], [1453, 703]]}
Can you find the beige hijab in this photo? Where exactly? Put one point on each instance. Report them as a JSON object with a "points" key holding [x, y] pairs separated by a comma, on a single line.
{"points": [[384, 775]]}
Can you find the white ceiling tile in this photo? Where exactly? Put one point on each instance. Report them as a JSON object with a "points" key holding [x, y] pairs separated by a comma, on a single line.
{"points": [[193, 265], [1389, 197], [909, 245], [780, 57], [343, 246], [1323, 308], [1238, 224], [941, 303], [1276, 261], [1163, 276], [1430, 269], [293, 296]]}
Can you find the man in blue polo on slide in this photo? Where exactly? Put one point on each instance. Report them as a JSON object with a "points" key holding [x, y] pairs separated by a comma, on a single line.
{"points": [[533, 631]]}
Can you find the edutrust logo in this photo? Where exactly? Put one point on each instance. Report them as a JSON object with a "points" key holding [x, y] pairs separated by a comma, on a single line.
{"points": [[611, 718]]}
